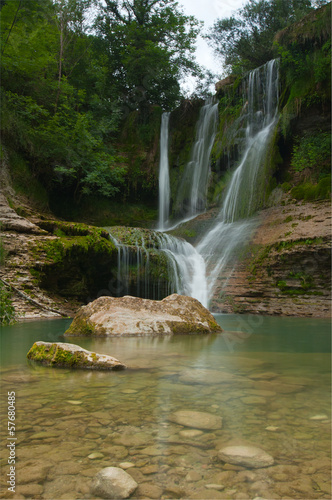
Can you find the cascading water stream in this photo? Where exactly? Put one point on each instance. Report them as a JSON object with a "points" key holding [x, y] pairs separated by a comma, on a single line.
{"points": [[192, 191], [188, 265], [164, 184], [185, 267], [220, 246]]}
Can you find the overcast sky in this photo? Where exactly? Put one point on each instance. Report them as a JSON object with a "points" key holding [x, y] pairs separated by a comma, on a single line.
{"points": [[208, 11]]}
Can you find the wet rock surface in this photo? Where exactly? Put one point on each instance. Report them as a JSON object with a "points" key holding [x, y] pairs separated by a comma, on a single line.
{"points": [[124, 316], [286, 270], [11, 221]]}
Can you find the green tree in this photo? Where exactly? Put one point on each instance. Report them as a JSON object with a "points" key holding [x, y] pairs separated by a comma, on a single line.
{"points": [[150, 45], [244, 41]]}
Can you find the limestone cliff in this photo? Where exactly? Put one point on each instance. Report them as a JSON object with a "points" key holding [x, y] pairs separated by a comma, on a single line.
{"points": [[285, 269]]}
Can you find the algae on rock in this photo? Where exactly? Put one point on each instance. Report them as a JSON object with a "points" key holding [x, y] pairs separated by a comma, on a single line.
{"points": [[71, 356]]}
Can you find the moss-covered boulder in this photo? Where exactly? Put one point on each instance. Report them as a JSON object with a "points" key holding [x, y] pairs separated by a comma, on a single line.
{"points": [[64, 355], [133, 316]]}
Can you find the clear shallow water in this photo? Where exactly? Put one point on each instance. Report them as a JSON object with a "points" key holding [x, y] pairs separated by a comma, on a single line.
{"points": [[263, 372]]}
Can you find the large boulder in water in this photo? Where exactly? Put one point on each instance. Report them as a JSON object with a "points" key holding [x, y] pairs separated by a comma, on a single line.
{"points": [[126, 316], [60, 354]]}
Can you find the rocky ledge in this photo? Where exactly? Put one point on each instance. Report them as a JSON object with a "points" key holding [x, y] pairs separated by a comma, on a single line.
{"points": [[71, 356], [10, 220], [126, 316]]}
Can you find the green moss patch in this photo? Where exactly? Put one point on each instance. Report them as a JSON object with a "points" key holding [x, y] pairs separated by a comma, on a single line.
{"points": [[82, 327], [74, 266], [310, 192], [55, 355]]}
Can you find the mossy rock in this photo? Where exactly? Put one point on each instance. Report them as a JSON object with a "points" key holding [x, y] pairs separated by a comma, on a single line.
{"points": [[135, 236], [62, 228], [64, 355]]}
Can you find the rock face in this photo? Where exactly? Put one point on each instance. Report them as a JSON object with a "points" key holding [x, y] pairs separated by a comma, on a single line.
{"points": [[225, 82], [287, 268], [113, 482], [249, 456], [125, 316], [71, 356], [11, 221], [196, 419]]}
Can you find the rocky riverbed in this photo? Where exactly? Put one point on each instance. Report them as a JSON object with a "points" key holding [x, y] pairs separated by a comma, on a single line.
{"points": [[247, 428]]}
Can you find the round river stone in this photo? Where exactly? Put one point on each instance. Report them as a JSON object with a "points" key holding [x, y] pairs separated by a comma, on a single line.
{"points": [[196, 419], [249, 456], [113, 482]]}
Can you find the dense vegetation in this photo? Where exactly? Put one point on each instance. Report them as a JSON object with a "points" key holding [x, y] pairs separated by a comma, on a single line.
{"points": [[84, 83], [299, 157], [244, 41], [72, 70]]}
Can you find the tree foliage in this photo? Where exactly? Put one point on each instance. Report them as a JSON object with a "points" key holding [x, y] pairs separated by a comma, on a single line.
{"points": [[55, 109], [67, 80], [150, 45], [244, 41]]}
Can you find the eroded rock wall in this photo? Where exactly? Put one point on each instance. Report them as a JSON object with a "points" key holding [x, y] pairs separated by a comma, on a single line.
{"points": [[286, 268]]}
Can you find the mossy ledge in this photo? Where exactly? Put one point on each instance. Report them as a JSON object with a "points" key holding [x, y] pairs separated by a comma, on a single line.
{"points": [[76, 262], [64, 355]]}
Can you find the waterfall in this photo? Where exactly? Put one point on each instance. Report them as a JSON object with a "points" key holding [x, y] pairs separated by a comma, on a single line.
{"points": [[192, 191], [139, 263], [165, 264], [189, 266], [221, 245], [164, 185]]}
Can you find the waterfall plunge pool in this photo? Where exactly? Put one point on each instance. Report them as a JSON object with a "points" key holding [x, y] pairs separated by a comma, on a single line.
{"points": [[266, 376]]}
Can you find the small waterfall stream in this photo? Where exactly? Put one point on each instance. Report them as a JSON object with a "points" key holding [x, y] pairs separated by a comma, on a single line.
{"points": [[190, 266], [164, 184], [139, 263], [192, 191]]}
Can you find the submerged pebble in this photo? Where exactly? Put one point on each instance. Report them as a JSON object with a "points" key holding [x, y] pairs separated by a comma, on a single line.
{"points": [[319, 417], [94, 456], [196, 419], [249, 456]]}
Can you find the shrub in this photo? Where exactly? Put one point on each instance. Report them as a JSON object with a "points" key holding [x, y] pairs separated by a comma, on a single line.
{"points": [[7, 311], [309, 192], [312, 152]]}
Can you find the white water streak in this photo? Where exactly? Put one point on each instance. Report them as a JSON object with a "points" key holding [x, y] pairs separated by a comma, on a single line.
{"points": [[192, 191], [221, 245], [188, 267], [164, 184]]}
